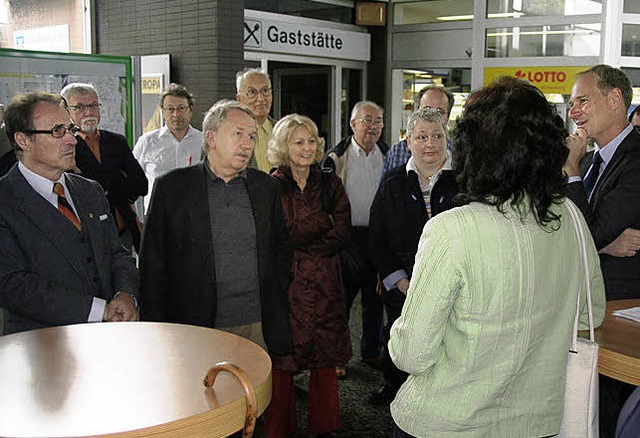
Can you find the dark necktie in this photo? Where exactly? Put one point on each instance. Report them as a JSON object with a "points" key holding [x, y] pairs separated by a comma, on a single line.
{"points": [[590, 180], [64, 206]]}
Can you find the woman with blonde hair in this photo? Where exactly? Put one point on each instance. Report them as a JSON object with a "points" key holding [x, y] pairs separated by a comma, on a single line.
{"points": [[317, 215]]}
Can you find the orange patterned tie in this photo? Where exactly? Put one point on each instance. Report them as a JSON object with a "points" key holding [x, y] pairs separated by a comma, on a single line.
{"points": [[64, 206]]}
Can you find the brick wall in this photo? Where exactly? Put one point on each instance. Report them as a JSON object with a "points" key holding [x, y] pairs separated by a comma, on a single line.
{"points": [[203, 37]]}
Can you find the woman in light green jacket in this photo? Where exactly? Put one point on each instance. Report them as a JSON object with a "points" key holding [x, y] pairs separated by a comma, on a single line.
{"points": [[485, 330]]}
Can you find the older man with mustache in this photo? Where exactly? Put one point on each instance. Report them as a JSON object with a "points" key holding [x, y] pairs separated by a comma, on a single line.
{"points": [[60, 259], [358, 161], [106, 157], [215, 250]]}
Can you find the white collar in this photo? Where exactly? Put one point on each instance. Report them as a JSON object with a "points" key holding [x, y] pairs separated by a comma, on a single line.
{"points": [[411, 164], [355, 147], [41, 184]]}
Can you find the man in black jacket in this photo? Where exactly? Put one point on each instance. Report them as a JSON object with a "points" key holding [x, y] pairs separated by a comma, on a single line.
{"points": [[215, 250], [106, 157]]}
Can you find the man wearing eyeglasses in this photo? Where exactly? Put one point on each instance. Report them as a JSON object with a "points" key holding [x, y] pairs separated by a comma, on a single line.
{"points": [[7, 157], [431, 96], [60, 257], [177, 144], [357, 160], [106, 157], [253, 88]]}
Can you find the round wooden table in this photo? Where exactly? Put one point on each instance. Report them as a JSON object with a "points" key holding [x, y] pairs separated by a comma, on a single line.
{"points": [[134, 379], [619, 341]]}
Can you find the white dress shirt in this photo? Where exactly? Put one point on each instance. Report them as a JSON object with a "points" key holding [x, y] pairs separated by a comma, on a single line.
{"points": [[158, 152], [362, 180]]}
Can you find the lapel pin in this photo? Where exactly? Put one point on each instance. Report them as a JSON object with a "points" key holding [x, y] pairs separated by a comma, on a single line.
{"points": [[90, 215]]}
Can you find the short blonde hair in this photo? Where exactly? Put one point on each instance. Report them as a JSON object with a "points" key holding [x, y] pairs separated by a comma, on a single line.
{"points": [[278, 149]]}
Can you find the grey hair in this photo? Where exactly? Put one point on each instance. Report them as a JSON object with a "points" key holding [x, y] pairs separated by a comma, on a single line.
{"points": [[78, 88], [245, 74], [609, 78], [426, 115], [217, 114], [364, 103]]}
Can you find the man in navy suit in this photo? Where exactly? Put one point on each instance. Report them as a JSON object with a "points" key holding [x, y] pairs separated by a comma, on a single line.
{"points": [[60, 257], [607, 193], [605, 185], [106, 157]]}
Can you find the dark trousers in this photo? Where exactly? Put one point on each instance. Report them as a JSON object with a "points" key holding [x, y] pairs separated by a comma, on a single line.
{"points": [[613, 395], [393, 302], [324, 408], [372, 310], [399, 433]]}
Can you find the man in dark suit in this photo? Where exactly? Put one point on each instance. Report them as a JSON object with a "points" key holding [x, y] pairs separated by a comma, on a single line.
{"points": [[215, 250], [106, 157], [60, 259], [608, 193], [7, 157], [605, 185]]}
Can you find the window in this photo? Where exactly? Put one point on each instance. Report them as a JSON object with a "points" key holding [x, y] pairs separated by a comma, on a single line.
{"points": [[630, 40], [631, 7], [536, 8], [436, 11], [337, 11], [559, 40]]}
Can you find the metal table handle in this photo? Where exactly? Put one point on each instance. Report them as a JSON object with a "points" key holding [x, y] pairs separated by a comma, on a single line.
{"points": [[249, 392]]}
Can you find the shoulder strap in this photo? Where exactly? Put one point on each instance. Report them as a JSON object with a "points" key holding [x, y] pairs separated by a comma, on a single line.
{"points": [[325, 181], [573, 211]]}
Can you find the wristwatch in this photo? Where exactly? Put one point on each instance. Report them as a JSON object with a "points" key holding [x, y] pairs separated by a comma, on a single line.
{"points": [[135, 300]]}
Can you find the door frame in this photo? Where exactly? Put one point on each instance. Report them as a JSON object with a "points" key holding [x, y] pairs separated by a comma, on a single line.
{"points": [[335, 94], [281, 73]]}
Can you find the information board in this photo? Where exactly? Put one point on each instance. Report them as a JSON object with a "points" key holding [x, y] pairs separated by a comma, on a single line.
{"points": [[26, 71]]}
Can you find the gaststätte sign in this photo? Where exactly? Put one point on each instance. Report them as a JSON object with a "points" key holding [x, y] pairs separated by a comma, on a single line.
{"points": [[272, 35]]}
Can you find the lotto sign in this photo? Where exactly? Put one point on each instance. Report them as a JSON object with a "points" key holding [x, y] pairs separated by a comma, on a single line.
{"points": [[548, 79]]}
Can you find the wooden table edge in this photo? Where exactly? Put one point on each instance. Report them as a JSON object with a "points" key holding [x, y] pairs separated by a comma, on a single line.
{"points": [[227, 419]]}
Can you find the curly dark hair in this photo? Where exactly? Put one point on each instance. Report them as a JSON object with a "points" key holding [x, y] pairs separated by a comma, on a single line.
{"points": [[509, 144]]}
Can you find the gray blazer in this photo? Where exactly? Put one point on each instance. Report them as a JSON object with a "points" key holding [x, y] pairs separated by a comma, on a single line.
{"points": [[50, 272]]}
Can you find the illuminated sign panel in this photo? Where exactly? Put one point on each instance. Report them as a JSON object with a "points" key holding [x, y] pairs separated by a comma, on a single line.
{"points": [[549, 80]]}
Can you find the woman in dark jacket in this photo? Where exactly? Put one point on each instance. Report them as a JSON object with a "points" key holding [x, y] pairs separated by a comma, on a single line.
{"points": [[317, 310], [406, 199]]}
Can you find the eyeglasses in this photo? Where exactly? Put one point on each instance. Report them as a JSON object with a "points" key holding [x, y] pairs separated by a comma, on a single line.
{"points": [[372, 122], [252, 93], [58, 131], [178, 109], [80, 107], [423, 139], [438, 110]]}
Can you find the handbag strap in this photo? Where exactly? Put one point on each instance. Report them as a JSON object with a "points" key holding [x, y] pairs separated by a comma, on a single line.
{"points": [[325, 196], [573, 211]]}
